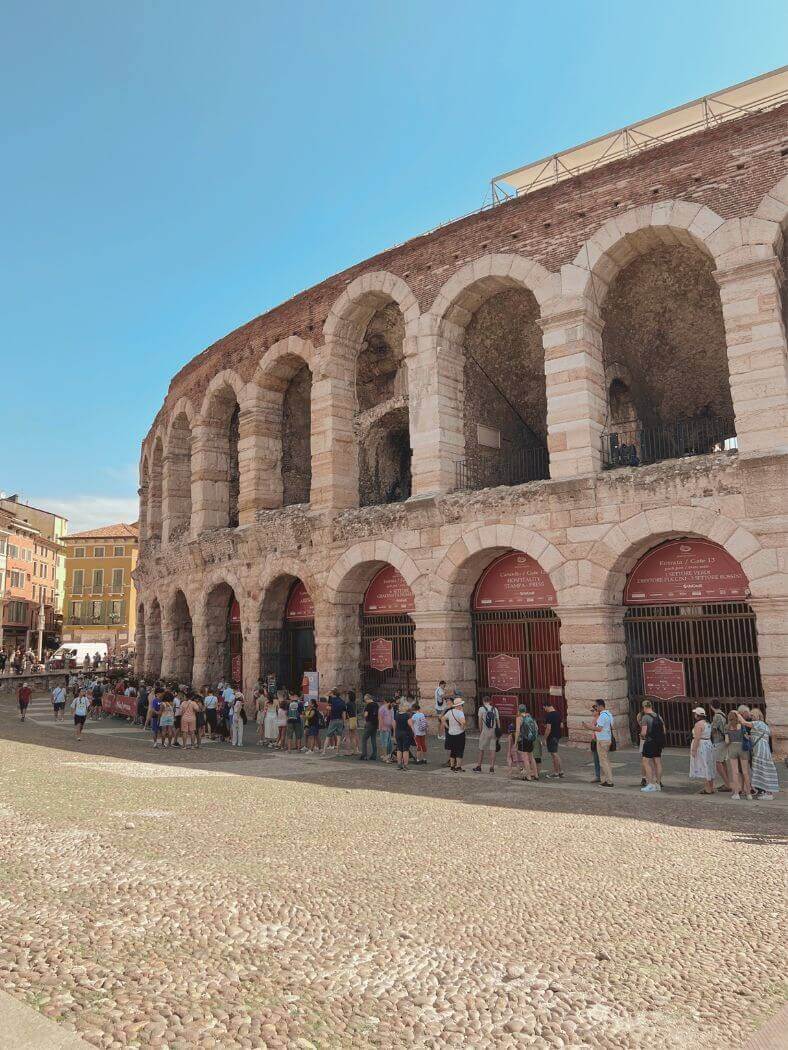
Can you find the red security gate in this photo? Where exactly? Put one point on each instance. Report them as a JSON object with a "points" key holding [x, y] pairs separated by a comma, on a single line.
{"points": [[235, 644], [516, 637], [690, 635], [388, 648]]}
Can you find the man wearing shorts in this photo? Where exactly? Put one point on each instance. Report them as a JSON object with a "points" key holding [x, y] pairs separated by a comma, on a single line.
{"points": [[80, 706], [211, 702], [336, 722], [295, 726], [59, 702], [552, 735], [652, 733], [23, 696]]}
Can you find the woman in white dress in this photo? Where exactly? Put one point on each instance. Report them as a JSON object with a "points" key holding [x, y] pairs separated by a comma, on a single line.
{"points": [[270, 723], [702, 753]]}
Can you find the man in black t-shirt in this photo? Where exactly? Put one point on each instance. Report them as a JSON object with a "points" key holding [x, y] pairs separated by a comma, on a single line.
{"points": [[552, 734], [370, 729]]}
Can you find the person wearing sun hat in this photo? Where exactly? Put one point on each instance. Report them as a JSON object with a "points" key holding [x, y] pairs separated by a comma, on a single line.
{"points": [[702, 752], [455, 734]]}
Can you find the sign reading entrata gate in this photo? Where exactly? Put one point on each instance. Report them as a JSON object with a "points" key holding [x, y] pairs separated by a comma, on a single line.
{"points": [[514, 581], [686, 571], [381, 654], [664, 679], [503, 672]]}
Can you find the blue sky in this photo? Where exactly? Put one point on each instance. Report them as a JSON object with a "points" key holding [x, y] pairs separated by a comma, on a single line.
{"points": [[172, 169]]}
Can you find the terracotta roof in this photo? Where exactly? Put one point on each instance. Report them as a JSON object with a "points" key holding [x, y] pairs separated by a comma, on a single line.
{"points": [[107, 532]]}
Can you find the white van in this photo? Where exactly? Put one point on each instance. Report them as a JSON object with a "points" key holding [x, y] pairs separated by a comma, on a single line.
{"points": [[72, 654]]}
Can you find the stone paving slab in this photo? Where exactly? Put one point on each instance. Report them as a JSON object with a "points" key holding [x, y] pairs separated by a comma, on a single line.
{"points": [[22, 1028]]}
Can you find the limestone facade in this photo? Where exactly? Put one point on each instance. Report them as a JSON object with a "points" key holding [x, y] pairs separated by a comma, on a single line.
{"points": [[697, 225]]}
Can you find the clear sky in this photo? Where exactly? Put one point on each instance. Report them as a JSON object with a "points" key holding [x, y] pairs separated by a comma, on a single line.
{"points": [[172, 169]]}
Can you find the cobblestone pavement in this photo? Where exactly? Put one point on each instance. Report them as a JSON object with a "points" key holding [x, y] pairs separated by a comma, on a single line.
{"points": [[246, 899]]}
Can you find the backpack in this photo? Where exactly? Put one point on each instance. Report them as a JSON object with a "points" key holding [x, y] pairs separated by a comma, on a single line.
{"points": [[657, 732], [489, 718], [528, 730], [293, 713]]}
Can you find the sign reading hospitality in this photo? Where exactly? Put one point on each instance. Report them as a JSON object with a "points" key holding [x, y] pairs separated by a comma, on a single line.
{"points": [[388, 593], [664, 679], [686, 571], [514, 581], [381, 654], [507, 709], [503, 672], [299, 605]]}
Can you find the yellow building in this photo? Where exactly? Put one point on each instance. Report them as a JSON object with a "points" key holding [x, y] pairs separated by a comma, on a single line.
{"points": [[100, 603]]}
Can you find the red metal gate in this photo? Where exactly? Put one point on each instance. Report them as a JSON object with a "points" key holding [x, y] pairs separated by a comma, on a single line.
{"points": [[398, 630]]}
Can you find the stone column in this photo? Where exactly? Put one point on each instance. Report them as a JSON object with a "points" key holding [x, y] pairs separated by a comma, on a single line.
{"points": [[772, 626], [142, 492], [444, 650], [210, 480], [593, 654], [575, 383], [436, 397], [169, 660], [338, 647], [139, 648], [200, 670], [153, 649], [260, 455], [334, 446], [757, 353], [250, 630]]}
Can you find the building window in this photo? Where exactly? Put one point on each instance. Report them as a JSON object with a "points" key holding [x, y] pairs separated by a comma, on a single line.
{"points": [[98, 552], [116, 611], [95, 611], [2, 545], [13, 550], [79, 552], [117, 580], [98, 580], [76, 612], [17, 578], [78, 581], [119, 552]]}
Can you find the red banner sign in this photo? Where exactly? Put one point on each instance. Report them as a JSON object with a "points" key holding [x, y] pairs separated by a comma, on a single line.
{"points": [[503, 672], [115, 704], [514, 581], [686, 571], [234, 615], [388, 593], [299, 605], [664, 679], [507, 709], [381, 654]]}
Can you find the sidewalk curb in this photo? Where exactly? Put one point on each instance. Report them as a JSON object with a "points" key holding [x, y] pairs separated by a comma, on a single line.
{"points": [[771, 1036], [23, 1028]]}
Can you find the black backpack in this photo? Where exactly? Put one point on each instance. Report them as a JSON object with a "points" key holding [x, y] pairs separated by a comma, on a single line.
{"points": [[489, 717], [657, 734]]}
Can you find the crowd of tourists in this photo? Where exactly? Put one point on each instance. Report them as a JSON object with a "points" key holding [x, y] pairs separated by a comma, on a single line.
{"points": [[734, 747]]}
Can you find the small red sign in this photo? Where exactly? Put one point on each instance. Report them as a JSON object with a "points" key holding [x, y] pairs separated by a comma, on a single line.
{"points": [[299, 605], [381, 654], [664, 679], [236, 668], [125, 706], [388, 593], [507, 709], [514, 581], [685, 571], [503, 672], [235, 612]]}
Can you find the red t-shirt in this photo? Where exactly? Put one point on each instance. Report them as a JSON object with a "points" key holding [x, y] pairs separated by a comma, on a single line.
{"points": [[24, 694]]}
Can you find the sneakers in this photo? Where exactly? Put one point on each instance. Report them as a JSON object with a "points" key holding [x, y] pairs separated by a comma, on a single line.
{"points": [[651, 788], [765, 796], [735, 795]]}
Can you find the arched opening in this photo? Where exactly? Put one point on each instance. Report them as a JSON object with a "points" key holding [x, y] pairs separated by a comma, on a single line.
{"points": [[153, 642], [388, 649], [224, 639], [381, 424], [297, 438], [178, 491], [690, 634], [505, 404], [224, 417], [287, 634], [139, 642], [516, 641], [666, 363], [144, 498], [155, 491], [182, 640]]}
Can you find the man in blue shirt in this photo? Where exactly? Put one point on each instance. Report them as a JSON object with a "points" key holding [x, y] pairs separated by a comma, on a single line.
{"points": [[336, 721], [603, 728]]}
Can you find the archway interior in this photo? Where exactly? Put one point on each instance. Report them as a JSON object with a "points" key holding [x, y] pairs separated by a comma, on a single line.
{"points": [[139, 641], [287, 634], [179, 477], [381, 423], [153, 641], [225, 414], [297, 438], [224, 639], [516, 639], [182, 640], [665, 354], [505, 412], [690, 634], [388, 647]]}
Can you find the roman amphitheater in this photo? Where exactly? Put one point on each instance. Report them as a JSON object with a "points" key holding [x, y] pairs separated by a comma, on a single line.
{"points": [[539, 451]]}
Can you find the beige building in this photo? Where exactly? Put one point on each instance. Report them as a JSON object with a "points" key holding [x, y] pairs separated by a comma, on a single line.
{"points": [[100, 600], [539, 452]]}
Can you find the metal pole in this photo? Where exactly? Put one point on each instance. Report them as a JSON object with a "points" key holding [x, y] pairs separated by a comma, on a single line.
{"points": [[41, 616]]}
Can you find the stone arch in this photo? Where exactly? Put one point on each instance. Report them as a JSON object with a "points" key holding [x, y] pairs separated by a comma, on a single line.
{"points": [[219, 595], [286, 652], [282, 433], [289, 569], [370, 340], [616, 553], [219, 465], [490, 357], [352, 571]]}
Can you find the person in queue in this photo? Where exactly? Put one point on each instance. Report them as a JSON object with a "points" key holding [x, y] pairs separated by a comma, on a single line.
{"points": [[386, 725], [764, 771], [419, 726], [602, 728], [335, 730], [702, 752], [312, 726], [454, 724], [351, 723], [652, 735], [719, 728], [552, 738], [489, 727], [403, 733], [736, 743], [370, 734], [525, 733]]}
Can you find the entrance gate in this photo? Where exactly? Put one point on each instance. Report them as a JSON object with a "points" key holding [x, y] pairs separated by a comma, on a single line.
{"points": [[235, 643], [516, 638], [388, 648], [690, 635]]}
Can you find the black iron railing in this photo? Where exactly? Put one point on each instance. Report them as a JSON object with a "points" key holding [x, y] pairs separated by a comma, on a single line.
{"points": [[507, 468], [633, 445]]}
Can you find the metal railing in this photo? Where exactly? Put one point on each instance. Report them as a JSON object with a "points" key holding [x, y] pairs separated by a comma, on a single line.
{"points": [[513, 467], [633, 445]]}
